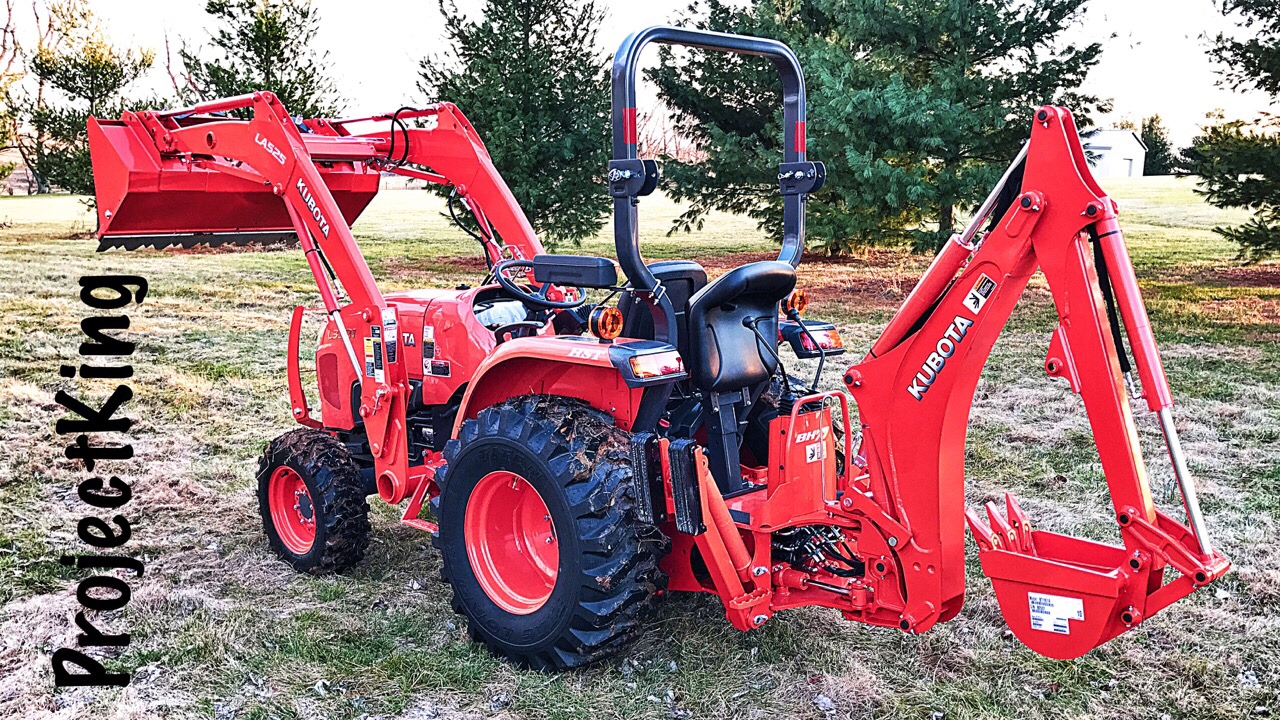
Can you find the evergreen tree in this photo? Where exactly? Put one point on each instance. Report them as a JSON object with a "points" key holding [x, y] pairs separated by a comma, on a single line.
{"points": [[531, 80], [88, 77], [262, 45], [1239, 162], [916, 107], [1160, 154]]}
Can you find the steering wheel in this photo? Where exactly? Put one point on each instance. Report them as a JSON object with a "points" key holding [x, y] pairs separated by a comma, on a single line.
{"points": [[523, 328], [535, 298]]}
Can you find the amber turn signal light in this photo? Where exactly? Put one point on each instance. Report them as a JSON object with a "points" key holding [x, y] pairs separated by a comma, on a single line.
{"points": [[797, 301], [605, 323]]}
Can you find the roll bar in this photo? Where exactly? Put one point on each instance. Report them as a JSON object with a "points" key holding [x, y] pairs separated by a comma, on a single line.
{"points": [[630, 177]]}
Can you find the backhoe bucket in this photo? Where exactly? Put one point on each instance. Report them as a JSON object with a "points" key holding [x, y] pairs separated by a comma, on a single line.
{"points": [[149, 198], [1063, 596]]}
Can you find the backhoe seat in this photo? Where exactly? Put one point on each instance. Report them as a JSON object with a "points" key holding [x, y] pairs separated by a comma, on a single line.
{"points": [[681, 278], [724, 353]]}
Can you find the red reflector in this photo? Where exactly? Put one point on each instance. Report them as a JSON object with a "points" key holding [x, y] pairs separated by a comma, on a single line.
{"points": [[657, 364], [629, 125], [827, 340]]}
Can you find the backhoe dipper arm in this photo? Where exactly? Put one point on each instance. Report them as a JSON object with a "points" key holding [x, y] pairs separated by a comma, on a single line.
{"points": [[1062, 596]]}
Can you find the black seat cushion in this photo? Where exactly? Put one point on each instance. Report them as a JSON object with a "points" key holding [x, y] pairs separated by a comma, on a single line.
{"points": [[724, 354]]}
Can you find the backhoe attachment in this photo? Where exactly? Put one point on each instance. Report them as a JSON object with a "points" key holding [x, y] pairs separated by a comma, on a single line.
{"points": [[1062, 596]]}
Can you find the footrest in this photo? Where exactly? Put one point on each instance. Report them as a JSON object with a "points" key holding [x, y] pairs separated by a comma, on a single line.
{"points": [[750, 611], [683, 455]]}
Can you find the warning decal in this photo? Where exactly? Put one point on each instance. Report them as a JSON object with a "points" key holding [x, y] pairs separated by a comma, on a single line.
{"points": [[428, 343], [813, 452], [982, 290], [368, 357], [1053, 613]]}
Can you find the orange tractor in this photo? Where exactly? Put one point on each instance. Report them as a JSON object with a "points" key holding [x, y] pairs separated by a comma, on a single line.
{"points": [[577, 460]]}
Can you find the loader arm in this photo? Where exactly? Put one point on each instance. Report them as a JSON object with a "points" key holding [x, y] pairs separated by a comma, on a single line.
{"points": [[1061, 596], [451, 148], [238, 171]]}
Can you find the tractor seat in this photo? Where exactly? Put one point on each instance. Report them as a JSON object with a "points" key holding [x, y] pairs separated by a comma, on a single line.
{"points": [[725, 354], [681, 278]]}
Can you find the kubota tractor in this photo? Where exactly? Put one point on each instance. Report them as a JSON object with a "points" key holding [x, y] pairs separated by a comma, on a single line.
{"points": [[576, 461]]}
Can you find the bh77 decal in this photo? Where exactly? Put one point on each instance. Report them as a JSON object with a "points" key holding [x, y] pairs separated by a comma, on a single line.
{"points": [[937, 359]]}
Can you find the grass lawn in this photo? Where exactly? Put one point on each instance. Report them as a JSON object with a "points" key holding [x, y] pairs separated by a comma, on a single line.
{"points": [[221, 629]]}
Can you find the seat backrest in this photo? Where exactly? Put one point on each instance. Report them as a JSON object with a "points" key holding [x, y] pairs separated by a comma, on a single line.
{"points": [[681, 278], [724, 353]]}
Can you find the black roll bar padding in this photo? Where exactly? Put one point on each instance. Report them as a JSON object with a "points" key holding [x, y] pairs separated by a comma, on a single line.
{"points": [[625, 64]]}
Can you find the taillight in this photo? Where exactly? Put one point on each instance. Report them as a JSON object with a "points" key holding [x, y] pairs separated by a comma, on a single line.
{"points": [[667, 362], [828, 339]]}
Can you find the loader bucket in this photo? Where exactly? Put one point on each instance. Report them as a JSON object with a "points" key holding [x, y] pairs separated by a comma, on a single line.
{"points": [[149, 198]]}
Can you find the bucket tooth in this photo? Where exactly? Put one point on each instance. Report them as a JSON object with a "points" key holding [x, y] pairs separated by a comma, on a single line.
{"points": [[981, 531], [1009, 538], [1021, 525]]}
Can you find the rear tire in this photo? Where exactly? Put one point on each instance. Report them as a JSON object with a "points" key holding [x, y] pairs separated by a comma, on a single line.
{"points": [[312, 502], [588, 597]]}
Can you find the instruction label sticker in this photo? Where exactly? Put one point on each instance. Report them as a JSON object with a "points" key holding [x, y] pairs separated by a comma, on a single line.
{"points": [[813, 452], [379, 373], [390, 330], [368, 357], [978, 295], [1054, 613]]}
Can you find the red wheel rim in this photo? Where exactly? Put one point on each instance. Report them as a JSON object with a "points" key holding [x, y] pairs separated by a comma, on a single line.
{"points": [[511, 542], [292, 512]]}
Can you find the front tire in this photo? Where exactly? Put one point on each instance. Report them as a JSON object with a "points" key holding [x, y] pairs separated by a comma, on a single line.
{"points": [[539, 538], [312, 502]]}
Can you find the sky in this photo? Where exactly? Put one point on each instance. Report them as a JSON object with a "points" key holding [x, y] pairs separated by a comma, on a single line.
{"points": [[1154, 58]]}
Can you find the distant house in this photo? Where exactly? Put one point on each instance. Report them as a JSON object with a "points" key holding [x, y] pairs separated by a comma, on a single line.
{"points": [[1119, 153]]}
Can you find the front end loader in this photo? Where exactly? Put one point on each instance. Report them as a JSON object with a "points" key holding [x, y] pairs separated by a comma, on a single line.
{"points": [[575, 461]]}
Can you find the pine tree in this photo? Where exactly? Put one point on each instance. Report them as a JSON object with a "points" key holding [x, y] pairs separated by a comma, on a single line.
{"points": [[531, 80], [262, 45], [1239, 162], [1160, 154], [87, 76], [916, 107]]}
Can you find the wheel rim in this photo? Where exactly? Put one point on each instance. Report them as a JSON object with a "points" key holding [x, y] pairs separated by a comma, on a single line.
{"points": [[511, 542], [292, 511]]}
